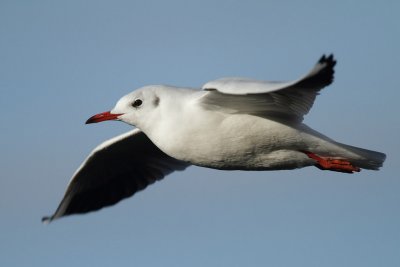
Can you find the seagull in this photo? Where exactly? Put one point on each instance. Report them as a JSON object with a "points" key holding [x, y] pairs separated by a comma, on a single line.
{"points": [[231, 124]]}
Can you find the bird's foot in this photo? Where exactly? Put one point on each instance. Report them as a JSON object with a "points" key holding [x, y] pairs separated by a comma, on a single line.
{"points": [[332, 164]]}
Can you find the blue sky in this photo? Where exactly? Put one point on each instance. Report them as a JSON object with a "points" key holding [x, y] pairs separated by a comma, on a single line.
{"points": [[63, 61]]}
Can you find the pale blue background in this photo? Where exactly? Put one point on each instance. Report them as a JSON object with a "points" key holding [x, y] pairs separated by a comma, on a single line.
{"points": [[63, 61]]}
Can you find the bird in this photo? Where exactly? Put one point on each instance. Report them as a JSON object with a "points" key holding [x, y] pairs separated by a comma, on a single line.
{"points": [[230, 124]]}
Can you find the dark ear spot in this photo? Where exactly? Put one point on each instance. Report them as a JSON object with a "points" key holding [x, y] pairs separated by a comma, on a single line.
{"points": [[156, 101]]}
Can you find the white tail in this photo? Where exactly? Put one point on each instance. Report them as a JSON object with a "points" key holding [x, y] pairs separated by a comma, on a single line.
{"points": [[367, 159]]}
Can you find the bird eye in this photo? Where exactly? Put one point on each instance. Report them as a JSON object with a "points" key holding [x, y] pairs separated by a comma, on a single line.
{"points": [[137, 103]]}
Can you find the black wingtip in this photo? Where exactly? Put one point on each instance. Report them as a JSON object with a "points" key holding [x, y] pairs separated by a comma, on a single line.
{"points": [[330, 60], [47, 219]]}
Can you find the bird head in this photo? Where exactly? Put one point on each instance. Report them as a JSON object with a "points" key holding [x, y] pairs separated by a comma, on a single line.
{"points": [[133, 108]]}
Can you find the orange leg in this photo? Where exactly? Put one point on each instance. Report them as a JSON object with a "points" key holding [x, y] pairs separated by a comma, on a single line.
{"points": [[332, 164]]}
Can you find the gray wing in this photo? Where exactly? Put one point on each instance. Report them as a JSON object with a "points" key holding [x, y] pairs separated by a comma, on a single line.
{"points": [[289, 100], [116, 169]]}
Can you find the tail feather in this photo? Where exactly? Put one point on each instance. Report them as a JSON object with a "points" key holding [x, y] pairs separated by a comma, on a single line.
{"points": [[366, 159]]}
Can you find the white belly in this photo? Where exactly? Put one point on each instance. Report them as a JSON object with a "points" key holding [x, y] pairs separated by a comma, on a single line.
{"points": [[240, 142]]}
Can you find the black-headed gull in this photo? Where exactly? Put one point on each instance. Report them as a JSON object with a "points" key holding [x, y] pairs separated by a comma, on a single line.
{"points": [[232, 124]]}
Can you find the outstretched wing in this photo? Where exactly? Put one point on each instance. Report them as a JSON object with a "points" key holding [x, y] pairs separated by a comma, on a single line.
{"points": [[116, 169], [289, 100]]}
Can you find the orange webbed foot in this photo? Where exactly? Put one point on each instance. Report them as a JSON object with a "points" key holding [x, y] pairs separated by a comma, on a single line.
{"points": [[332, 164]]}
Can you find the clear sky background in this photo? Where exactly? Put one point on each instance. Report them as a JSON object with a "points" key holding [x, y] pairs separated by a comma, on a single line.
{"points": [[63, 61]]}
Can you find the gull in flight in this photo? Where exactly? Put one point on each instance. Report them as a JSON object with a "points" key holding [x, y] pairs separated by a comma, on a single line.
{"points": [[231, 124]]}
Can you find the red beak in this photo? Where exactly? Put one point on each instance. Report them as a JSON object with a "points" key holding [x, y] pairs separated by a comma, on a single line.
{"points": [[105, 116]]}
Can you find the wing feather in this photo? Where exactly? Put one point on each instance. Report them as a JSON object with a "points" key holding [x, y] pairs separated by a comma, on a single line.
{"points": [[290, 100], [116, 169]]}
